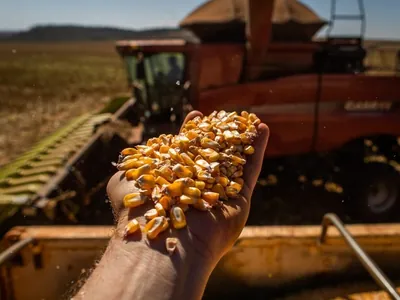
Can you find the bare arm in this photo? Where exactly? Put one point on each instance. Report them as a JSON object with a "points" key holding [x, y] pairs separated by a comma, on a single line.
{"points": [[137, 270]]}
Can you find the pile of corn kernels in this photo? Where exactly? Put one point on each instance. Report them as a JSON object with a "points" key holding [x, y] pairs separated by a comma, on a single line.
{"points": [[198, 168]]}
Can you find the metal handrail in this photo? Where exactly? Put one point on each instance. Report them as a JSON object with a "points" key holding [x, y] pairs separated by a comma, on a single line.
{"points": [[13, 250], [377, 274]]}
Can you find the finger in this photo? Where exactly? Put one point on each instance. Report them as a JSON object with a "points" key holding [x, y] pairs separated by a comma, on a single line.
{"points": [[193, 114], [254, 163]]}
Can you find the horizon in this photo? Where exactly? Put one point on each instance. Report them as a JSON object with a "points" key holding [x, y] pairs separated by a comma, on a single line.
{"points": [[382, 20]]}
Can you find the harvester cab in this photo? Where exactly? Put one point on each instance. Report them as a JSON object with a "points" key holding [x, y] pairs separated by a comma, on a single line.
{"points": [[157, 77]]}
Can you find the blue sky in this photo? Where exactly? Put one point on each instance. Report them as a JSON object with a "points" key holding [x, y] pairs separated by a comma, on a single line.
{"points": [[383, 17]]}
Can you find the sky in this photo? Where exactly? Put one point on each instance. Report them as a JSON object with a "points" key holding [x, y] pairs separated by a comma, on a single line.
{"points": [[383, 17]]}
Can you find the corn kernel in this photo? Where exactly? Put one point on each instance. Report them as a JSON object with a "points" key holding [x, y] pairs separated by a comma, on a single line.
{"points": [[146, 182], [200, 184], [248, 150], [203, 164], [134, 174], [187, 182], [208, 143], [175, 189], [151, 214], [184, 199], [186, 158], [210, 197], [202, 205], [178, 217], [170, 245], [209, 154], [162, 181], [167, 173], [237, 186], [182, 171], [231, 192], [129, 151], [223, 180], [192, 192], [156, 193], [133, 200], [160, 209], [175, 156], [218, 188], [164, 149], [155, 226], [165, 201], [131, 227]]}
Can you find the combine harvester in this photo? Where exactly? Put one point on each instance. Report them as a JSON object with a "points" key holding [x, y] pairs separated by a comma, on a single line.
{"points": [[322, 106]]}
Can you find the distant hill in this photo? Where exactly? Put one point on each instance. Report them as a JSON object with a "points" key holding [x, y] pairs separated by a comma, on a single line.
{"points": [[64, 33], [5, 34]]}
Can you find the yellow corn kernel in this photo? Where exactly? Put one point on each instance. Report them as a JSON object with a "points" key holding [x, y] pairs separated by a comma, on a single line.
{"points": [[204, 126], [241, 119], [164, 149], [165, 201], [244, 114], [167, 173], [129, 151], [218, 188], [187, 182], [236, 160], [175, 156], [190, 125], [231, 192], [160, 209], [134, 174], [133, 199], [151, 214], [192, 192], [237, 186], [191, 134], [191, 155], [184, 199], [133, 156], [183, 142], [210, 197], [221, 114], [182, 171], [131, 227], [228, 136], [156, 193], [129, 164], [209, 185], [155, 226], [186, 158], [184, 207], [205, 176], [146, 181], [248, 150], [148, 151], [203, 164], [201, 205], [209, 143], [214, 167], [175, 189], [178, 217], [200, 184], [245, 138], [209, 154], [223, 180], [162, 181]]}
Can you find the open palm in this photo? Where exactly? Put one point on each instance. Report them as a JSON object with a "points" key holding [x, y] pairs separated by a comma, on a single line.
{"points": [[211, 233]]}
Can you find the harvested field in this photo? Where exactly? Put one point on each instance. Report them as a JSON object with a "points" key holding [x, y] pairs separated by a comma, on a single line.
{"points": [[43, 86]]}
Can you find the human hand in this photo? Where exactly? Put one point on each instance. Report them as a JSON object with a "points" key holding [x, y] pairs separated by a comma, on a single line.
{"points": [[208, 235]]}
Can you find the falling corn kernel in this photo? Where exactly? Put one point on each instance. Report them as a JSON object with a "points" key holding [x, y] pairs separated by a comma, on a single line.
{"points": [[170, 245]]}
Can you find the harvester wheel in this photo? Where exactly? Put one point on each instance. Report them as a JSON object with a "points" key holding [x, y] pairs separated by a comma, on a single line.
{"points": [[374, 195]]}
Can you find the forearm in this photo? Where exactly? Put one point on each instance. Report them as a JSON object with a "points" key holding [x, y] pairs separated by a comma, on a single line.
{"points": [[137, 270]]}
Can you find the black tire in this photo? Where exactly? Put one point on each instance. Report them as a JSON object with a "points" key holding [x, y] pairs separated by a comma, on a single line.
{"points": [[374, 193]]}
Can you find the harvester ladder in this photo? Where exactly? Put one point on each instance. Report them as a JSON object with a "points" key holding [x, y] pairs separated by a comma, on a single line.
{"points": [[377, 274], [347, 17]]}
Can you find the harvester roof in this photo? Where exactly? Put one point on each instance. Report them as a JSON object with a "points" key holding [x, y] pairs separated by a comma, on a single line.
{"points": [[216, 19]]}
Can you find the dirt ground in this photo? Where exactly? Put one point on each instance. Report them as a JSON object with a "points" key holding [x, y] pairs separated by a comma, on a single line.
{"points": [[43, 86]]}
